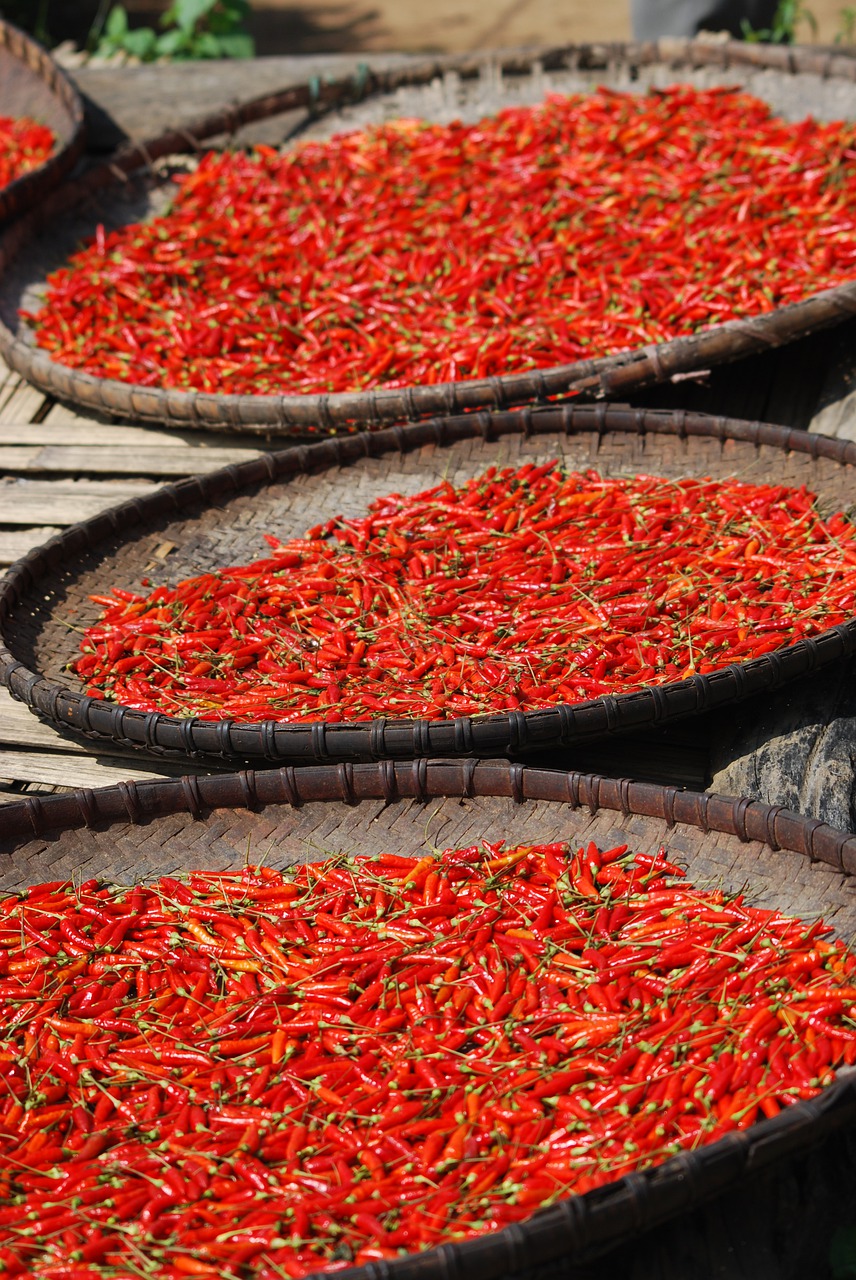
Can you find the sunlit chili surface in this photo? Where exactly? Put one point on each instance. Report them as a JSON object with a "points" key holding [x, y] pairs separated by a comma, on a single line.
{"points": [[258, 1074], [417, 253], [523, 588], [24, 145]]}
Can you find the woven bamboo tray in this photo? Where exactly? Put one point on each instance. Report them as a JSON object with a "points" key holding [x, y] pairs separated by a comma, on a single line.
{"points": [[31, 84], [217, 519], [794, 81], [140, 831]]}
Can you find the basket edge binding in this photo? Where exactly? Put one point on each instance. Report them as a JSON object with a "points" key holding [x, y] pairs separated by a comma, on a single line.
{"points": [[25, 191], [424, 779]]}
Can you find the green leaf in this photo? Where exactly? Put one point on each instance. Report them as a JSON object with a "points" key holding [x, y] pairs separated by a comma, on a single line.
{"points": [[228, 17], [237, 45], [232, 10], [205, 46], [140, 43], [189, 12], [172, 44], [116, 26]]}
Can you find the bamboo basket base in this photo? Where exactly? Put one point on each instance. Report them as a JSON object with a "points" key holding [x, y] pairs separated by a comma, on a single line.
{"points": [[782, 1224], [279, 836], [32, 84], [146, 195], [219, 519], [291, 816], [449, 97], [46, 633], [763, 1203]]}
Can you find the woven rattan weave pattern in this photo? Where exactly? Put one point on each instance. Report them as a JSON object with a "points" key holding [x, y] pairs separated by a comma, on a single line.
{"points": [[129, 833], [31, 84], [220, 519], [136, 830], [819, 81]]}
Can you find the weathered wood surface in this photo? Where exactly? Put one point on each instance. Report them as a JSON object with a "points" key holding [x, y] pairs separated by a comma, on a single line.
{"points": [[148, 460], [26, 502], [99, 771], [58, 467], [15, 543]]}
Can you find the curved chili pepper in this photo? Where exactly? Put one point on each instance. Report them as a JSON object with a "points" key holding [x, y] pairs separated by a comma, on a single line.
{"points": [[583, 225], [592, 634], [380, 1087]]}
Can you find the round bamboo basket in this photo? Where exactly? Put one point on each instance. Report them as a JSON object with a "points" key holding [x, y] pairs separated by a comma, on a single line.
{"points": [[31, 84], [793, 81], [218, 519], [697, 1203]]}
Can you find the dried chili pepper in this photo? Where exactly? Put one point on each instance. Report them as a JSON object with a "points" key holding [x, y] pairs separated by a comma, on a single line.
{"points": [[430, 1048], [522, 588], [418, 253], [24, 145]]}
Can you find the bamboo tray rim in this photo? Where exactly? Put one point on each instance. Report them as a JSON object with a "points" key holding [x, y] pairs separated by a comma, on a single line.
{"points": [[609, 375], [577, 1227], [25, 191], [495, 733]]}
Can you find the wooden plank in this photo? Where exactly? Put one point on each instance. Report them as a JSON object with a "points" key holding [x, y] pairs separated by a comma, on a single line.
{"points": [[10, 383], [63, 415], [15, 543], [19, 457], [83, 771], [20, 727], [22, 401], [85, 431], [31, 750], [117, 460], [6, 377], [25, 502], [10, 791], [48, 489]]}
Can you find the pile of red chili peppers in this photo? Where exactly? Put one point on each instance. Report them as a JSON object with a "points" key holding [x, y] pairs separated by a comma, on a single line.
{"points": [[520, 589], [264, 1074], [24, 145], [418, 253]]}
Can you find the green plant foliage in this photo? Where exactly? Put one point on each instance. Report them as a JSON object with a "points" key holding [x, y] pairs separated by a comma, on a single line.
{"points": [[846, 33], [190, 29], [787, 18]]}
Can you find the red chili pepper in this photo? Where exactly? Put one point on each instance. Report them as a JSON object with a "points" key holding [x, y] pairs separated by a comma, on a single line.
{"points": [[305, 1104], [24, 145], [587, 224], [337, 627]]}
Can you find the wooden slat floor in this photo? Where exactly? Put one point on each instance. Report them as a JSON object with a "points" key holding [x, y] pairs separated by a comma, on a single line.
{"points": [[58, 467]]}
